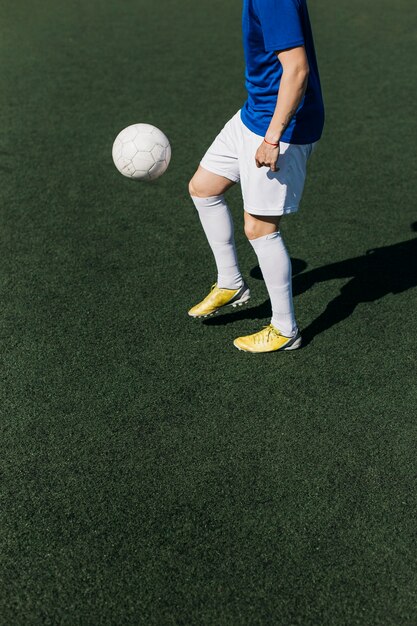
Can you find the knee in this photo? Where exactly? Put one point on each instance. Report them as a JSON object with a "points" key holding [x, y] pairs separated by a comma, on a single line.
{"points": [[253, 229], [195, 189], [191, 188], [256, 227]]}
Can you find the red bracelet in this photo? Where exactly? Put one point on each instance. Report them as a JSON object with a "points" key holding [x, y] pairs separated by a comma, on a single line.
{"points": [[276, 145]]}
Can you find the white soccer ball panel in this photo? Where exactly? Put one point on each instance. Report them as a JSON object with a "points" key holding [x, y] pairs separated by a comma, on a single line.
{"points": [[117, 149], [158, 152], [168, 153], [141, 175], [157, 170], [129, 150], [160, 137], [126, 167], [144, 129], [144, 142], [143, 161]]}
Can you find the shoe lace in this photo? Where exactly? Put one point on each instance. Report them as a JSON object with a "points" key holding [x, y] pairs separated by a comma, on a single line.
{"points": [[264, 337]]}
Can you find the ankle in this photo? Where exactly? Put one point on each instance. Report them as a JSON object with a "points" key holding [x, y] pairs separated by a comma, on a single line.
{"points": [[230, 282]]}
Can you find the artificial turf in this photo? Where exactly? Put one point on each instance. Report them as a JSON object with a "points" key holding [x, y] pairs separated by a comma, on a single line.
{"points": [[150, 472]]}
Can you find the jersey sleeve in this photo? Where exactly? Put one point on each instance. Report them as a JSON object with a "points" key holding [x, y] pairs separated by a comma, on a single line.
{"points": [[281, 23]]}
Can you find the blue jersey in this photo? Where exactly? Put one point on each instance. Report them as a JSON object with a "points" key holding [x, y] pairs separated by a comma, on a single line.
{"points": [[270, 26]]}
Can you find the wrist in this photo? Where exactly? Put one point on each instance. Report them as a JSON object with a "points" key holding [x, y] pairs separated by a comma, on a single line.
{"points": [[274, 143], [272, 136]]}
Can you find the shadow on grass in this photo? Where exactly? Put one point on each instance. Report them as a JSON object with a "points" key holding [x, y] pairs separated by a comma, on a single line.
{"points": [[377, 273]]}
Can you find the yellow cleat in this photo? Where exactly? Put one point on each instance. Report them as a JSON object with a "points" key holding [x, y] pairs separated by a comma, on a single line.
{"points": [[218, 298], [269, 339]]}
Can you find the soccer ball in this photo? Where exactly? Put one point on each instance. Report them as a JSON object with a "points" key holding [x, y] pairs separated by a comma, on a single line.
{"points": [[142, 152]]}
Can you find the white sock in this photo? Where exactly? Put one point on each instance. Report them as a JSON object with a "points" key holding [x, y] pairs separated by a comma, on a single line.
{"points": [[275, 265], [217, 223]]}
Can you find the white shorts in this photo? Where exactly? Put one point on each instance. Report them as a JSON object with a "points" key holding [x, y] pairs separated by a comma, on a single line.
{"points": [[232, 155]]}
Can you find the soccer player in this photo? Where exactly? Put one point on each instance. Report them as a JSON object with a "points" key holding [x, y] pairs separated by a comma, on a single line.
{"points": [[265, 147]]}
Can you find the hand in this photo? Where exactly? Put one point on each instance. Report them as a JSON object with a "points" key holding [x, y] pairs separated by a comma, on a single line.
{"points": [[267, 156]]}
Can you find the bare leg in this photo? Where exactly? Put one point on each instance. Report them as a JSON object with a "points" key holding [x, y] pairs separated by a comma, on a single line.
{"points": [[205, 184], [260, 225]]}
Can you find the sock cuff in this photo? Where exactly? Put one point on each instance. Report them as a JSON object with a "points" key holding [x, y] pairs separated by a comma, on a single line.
{"points": [[205, 203], [260, 241]]}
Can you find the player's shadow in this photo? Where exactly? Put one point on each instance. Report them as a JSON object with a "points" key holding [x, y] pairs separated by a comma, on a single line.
{"points": [[377, 273]]}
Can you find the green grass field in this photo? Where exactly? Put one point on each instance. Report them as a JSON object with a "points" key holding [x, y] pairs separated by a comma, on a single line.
{"points": [[151, 473]]}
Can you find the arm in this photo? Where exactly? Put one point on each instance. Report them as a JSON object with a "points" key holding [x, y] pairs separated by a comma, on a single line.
{"points": [[292, 89]]}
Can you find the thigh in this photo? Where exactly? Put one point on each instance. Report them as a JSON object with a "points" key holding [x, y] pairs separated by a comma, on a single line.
{"points": [[205, 184]]}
